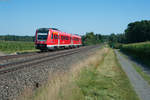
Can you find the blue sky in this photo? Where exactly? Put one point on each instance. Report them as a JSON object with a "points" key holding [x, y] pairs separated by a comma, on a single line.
{"points": [[23, 17]]}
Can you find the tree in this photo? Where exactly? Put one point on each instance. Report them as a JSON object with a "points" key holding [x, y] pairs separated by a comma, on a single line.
{"points": [[113, 38], [138, 31], [121, 38], [90, 38]]}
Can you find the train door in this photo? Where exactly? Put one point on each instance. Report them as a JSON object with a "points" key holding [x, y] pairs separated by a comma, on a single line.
{"points": [[52, 38], [58, 39], [55, 38], [71, 39]]}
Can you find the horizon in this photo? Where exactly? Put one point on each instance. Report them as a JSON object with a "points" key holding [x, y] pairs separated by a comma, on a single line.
{"points": [[76, 17]]}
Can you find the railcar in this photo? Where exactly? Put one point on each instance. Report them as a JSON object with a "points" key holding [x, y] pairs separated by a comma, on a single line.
{"points": [[52, 38]]}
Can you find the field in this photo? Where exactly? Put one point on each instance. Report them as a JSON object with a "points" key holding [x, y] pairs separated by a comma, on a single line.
{"points": [[140, 51], [13, 46], [99, 77]]}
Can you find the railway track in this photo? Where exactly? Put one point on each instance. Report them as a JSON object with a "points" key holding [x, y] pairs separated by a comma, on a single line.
{"points": [[13, 66], [7, 57], [16, 56], [35, 56]]}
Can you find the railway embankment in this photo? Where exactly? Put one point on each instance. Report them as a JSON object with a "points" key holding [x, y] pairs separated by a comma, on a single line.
{"points": [[99, 76], [34, 72]]}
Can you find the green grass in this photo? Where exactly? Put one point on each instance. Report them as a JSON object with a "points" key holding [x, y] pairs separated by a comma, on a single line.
{"points": [[90, 84], [13, 46], [140, 71], [140, 51], [104, 81]]}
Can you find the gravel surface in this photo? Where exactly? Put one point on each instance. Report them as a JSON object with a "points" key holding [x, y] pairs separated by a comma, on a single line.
{"points": [[2, 54], [13, 83], [141, 86]]}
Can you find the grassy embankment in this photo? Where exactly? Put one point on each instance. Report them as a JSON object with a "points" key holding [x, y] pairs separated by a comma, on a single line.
{"points": [[99, 77], [13, 46], [140, 51]]}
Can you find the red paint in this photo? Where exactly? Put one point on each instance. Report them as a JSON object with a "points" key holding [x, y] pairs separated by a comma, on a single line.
{"points": [[60, 39]]}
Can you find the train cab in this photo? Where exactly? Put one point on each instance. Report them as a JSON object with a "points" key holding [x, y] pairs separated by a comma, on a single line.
{"points": [[41, 38]]}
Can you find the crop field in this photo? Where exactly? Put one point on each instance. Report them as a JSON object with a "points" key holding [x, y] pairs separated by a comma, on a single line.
{"points": [[13, 46], [138, 50]]}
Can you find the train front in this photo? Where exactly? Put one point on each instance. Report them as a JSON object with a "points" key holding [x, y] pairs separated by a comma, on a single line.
{"points": [[41, 38]]}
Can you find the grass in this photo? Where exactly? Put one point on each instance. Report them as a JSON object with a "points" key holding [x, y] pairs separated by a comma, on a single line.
{"points": [[143, 74], [16, 46], [114, 82], [99, 77]]}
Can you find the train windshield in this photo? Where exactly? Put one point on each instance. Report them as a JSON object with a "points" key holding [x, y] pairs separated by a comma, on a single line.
{"points": [[42, 36]]}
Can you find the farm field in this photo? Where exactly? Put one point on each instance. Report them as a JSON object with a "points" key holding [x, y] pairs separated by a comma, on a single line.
{"points": [[98, 77], [16, 46], [140, 51]]}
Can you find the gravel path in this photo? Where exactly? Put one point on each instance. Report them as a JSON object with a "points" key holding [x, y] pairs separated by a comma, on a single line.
{"points": [[141, 86], [2, 54], [12, 84]]}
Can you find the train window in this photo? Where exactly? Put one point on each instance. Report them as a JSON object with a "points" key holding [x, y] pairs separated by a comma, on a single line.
{"points": [[55, 36], [52, 36], [76, 39], [67, 38], [64, 38], [42, 37]]}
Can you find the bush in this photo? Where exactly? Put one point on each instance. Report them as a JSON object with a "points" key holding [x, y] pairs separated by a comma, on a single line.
{"points": [[138, 50], [115, 45]]}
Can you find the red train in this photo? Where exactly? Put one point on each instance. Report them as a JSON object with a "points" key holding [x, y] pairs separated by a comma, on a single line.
{"points": [[52, 38]]}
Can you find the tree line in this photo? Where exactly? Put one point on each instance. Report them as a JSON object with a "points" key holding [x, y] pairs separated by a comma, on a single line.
{"points": [[90, 38], [138, 31], [17, 38]]}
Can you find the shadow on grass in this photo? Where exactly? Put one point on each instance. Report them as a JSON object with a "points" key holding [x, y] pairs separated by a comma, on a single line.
{"points": [[142, 62]]}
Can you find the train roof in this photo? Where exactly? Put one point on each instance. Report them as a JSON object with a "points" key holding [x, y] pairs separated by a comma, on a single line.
{"points": [[46, 29], [75, 35]]}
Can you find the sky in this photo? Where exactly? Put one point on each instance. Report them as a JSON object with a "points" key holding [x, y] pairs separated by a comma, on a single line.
{"points": [[23, 17]]}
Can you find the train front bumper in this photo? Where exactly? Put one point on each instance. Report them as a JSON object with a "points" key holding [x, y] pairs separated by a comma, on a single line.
{"points": [[41, 46]]}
